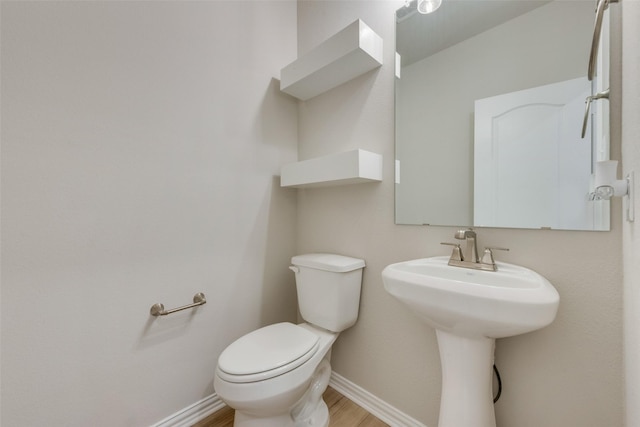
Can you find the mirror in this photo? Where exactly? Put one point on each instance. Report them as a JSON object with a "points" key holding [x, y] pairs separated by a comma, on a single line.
{"points": [[490, 100]]}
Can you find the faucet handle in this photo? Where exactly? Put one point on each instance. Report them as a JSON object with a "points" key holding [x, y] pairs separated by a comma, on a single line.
{"points": [[456, 255], [496, 249], [487, 257]]}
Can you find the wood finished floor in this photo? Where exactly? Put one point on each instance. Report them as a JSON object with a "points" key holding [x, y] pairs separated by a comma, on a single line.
{"points": [[342, 413]]}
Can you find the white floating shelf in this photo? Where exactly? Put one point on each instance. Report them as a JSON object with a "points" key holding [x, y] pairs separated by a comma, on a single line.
{"points": [[351, 167], [346, 55]]}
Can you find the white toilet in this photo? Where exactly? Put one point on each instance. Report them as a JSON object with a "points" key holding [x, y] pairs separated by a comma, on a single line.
{"points": [[275, 376]]}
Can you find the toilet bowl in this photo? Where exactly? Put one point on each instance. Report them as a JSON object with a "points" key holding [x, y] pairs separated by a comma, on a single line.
{"points": [[275, 376], [268, 398]]}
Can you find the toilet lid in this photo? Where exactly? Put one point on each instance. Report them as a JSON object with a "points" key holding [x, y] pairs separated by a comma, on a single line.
{"points": [[269, 351]]}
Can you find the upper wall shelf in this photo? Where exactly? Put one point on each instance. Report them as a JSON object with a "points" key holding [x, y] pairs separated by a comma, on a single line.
{"points": [[350, 167], [346, 55]]}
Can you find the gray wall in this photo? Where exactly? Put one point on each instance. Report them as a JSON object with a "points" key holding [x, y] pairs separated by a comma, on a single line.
{"points": [[140, 145], [568, 374], [631, 232]]}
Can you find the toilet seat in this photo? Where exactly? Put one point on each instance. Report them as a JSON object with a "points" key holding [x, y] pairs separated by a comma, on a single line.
{"points": [[267, 352]]}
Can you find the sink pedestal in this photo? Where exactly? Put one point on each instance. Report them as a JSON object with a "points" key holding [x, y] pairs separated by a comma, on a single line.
{"points": [[467, 380]]}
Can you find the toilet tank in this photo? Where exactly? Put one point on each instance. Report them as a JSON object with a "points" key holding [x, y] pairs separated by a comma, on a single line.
{"points": [[328, 288]]}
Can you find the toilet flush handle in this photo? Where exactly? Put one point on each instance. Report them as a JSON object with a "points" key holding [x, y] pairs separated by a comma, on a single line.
{"points": [[294, 269]]}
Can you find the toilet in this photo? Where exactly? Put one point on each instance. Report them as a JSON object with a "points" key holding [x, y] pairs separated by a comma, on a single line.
{"points": [[275, 376]]}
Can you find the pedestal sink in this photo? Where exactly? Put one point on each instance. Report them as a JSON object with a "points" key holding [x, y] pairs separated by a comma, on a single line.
{"points": [[470, 309]]}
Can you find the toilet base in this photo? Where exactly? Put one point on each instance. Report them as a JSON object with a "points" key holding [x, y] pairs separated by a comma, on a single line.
{"points": [[319, 418], [245, 420]]}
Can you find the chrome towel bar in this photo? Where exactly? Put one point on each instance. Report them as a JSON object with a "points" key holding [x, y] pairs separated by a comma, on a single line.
{"points": [[158, 309]]}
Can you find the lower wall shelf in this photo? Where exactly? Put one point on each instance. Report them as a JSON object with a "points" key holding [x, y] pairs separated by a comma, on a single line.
{"points": [[351, 167]]}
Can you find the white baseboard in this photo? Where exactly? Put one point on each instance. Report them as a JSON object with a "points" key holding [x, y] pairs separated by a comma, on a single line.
{"points": [[193, 413], [373, 404]]}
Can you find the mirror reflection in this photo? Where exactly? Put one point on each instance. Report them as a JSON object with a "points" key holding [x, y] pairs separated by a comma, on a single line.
{"points": [[490, 100]]}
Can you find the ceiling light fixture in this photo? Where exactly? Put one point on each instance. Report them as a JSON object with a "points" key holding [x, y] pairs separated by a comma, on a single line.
{"points": [[428, 6]]}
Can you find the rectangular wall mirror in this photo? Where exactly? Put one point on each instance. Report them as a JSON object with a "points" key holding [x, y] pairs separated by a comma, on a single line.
{"points": [[490, 101]]}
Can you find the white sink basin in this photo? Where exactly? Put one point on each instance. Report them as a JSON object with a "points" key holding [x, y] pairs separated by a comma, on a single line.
{"points": [[470, 309], [462, 301]]}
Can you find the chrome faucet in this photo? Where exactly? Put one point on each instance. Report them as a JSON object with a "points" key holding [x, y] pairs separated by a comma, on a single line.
{"points": [[470, 252], [469, 257]]}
